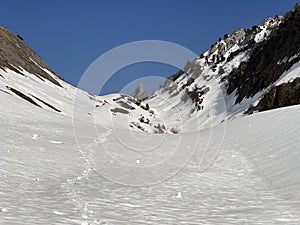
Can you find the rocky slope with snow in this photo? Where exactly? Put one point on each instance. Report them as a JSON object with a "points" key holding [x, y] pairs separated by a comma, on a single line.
{"points": [[26, 78], [250, 70], [15, 55], [67, 156]]}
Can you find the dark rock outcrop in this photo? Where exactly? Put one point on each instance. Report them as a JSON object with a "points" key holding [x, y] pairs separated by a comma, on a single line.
{"points": [[23, 96], [286, 94], [266, 63], [119, 110]]}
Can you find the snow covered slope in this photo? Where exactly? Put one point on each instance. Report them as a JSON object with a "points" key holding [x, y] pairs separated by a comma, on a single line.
{"points": [[114, 110], [245, 172], [28, 79]]}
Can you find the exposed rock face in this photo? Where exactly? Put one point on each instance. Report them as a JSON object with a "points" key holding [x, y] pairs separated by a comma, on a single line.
{"points": [[213, 62], [240, 71], [140, 93], [17, 56], [286, 94], [228, 42], [266, 63], [197, 96]]}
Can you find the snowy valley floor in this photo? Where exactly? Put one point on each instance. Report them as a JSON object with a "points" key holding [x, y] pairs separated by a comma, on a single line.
{"points": [[252, 177]]}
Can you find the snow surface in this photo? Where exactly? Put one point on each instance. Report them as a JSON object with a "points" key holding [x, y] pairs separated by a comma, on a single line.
{"points": [[245, 171], [290, 75], [66, 98], [261, 35], [265, 28]]}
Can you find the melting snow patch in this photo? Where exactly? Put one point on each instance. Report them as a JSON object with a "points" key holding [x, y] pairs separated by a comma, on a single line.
{"points": [[294, 57], [289, 75], [262, 35], [284, 60]]}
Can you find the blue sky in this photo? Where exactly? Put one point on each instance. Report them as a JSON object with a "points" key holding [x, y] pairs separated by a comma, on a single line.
{"points": [[70, 35]]}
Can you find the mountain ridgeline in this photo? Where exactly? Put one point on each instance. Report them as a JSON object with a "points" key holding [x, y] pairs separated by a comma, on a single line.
{"points": [[18, 56], [248, 71]]}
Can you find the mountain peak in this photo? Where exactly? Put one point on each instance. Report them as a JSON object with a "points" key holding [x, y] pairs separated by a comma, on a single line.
{"points": [[140, 93]]}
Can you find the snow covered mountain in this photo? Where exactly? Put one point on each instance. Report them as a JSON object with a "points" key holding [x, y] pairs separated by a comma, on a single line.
{"points": [[140, 93], [243, 170], [250, 70], [247, 71], [27, 81]]}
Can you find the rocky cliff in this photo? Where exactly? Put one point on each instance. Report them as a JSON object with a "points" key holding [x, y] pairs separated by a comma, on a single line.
{"points": [[250, 70]]}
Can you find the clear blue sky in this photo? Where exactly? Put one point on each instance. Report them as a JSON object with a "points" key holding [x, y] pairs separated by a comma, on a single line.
{"points": [[70, 35]]}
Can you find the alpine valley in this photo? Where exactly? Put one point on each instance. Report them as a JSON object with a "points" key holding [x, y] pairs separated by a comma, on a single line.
{"points": [[217, 143]]}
